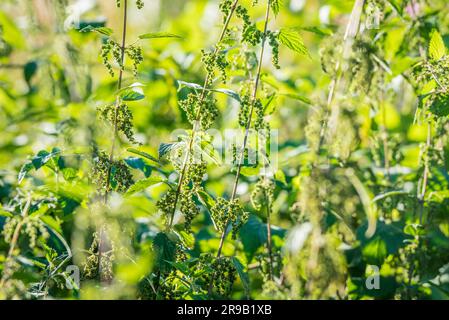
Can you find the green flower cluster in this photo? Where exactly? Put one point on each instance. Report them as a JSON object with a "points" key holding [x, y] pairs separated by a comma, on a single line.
{"points": [[274, 44], [263, 194], [111, 51], [139, 3], [120, 178], [221, 273], [224, 212], [205, 108], [250, 33], [123, 119]]}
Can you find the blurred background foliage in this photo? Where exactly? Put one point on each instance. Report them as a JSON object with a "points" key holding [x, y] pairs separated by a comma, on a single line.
{"points": [[342, 202]]}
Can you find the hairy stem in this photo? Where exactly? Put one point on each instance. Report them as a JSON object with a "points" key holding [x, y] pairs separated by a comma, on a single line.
{"points": [[196, 126]]}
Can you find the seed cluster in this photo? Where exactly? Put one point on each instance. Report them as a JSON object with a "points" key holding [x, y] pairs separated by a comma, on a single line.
{"points": [[120, 177], [263, 194], [111, 52], [222, 273], [123, 118], [206, 109], [250, 33], [225, 211]]}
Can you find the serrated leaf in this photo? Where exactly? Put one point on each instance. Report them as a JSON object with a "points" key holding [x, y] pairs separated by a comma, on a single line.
{"points": [[291, 38], [143, 184], [37, 162], [437, 49], [244, 278], [165, 148], [158, 35], [165, 250], [276, 6]]}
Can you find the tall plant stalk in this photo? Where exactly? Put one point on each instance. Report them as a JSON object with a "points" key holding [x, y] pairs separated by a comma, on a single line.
{"points": [[117, 99], [248, 124], [196, 125], [103, 240]]}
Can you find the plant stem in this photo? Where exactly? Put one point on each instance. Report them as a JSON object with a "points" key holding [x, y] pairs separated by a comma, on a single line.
{"points": [[196, 125], [103, 241], [117, 99], [248, 124]]}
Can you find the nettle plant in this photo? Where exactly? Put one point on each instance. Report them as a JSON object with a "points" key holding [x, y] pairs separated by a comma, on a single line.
{"points": [[237, 56], [364, 195], [399, 225]]}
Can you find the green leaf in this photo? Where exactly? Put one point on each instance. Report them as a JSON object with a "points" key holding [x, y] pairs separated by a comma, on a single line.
{"points": [[291, 38], [132, 93], [4, 213], [37, 162], [187, 239], [437, 48], [375, 251], [164, 148], [143, 154], [101, 30], [29, 70], [191, 85], [230, 93], [276, 6], [140, 164], [165, 250], [158, 35], [242, 274], [280, 176], [297, 97], [254, 235], [207, 200], [234, 95], [440, 106], [386, 240], [143, 184], [321, 31]]}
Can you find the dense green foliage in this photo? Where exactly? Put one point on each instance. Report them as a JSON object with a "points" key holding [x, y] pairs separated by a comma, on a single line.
{"points": [[208, 149]]}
